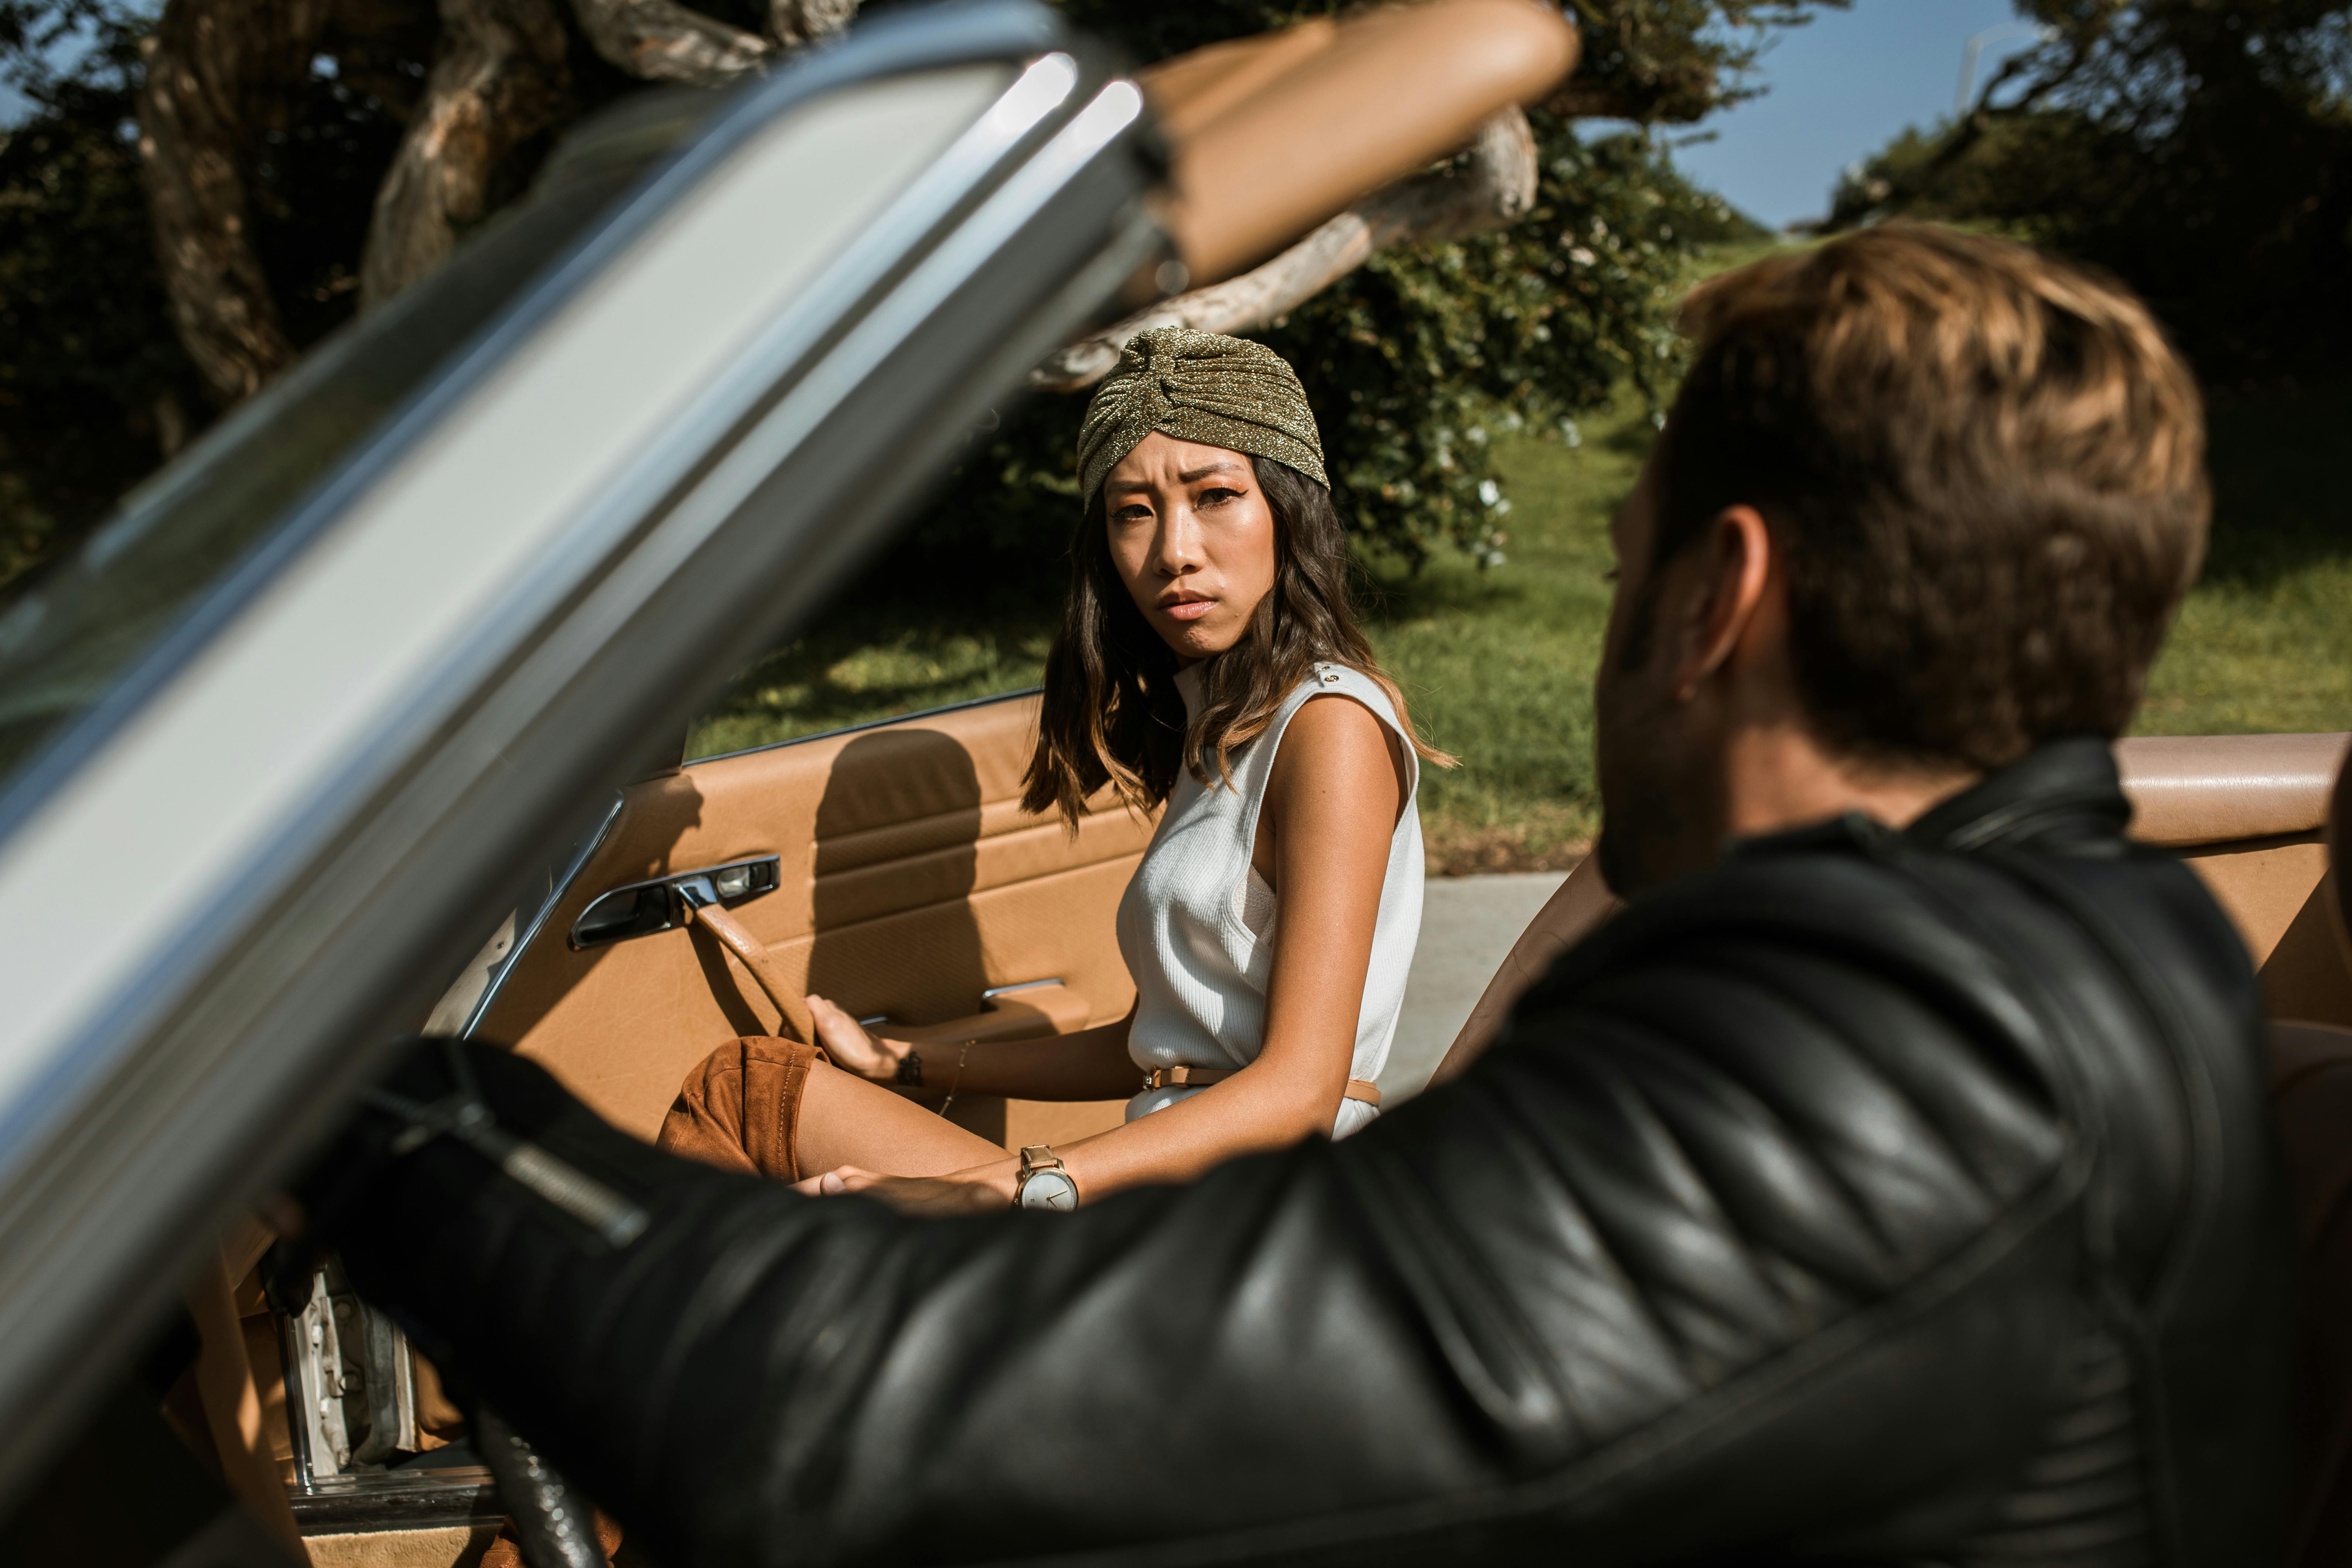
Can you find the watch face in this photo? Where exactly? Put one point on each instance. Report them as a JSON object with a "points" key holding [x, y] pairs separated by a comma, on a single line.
{"points": [[1049, 1190]]}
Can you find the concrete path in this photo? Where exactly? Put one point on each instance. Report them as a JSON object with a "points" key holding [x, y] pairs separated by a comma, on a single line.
{"points": [[1467, 927]]}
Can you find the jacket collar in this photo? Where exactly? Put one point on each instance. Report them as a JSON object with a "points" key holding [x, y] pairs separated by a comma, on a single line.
{"points": [[2062, 792], [2066, 789]]}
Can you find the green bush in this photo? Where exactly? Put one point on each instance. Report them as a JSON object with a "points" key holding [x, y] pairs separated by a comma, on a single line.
{"points": [[1417, 362]]}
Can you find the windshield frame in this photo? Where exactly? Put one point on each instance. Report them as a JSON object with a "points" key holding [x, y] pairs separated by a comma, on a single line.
{"points": [[891, 43], [217, 1060]]}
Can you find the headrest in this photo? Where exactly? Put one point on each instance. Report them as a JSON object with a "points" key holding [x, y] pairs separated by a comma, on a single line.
{"points": [[2189, 789]]}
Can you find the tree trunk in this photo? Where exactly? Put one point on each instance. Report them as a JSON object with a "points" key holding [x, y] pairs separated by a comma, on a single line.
{"points": [[219, 74], [660, 40], [499, 78], [1493, 188]]}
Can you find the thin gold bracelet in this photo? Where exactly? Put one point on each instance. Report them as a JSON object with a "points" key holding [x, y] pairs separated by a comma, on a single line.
{"points": [[958, 1084]]}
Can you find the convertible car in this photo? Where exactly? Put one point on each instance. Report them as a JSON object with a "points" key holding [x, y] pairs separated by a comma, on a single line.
{"points": [[343, 727], [351, 685]]}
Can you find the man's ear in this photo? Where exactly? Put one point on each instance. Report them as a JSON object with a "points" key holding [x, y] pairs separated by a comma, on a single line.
{"points": [[1734, 559]]}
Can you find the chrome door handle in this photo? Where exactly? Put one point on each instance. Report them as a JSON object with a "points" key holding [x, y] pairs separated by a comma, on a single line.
{"points": [[641, 909]]}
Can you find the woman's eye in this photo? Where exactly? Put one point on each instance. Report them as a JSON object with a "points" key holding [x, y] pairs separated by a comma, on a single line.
{"points": [[1219, 496], [1131, 514]]}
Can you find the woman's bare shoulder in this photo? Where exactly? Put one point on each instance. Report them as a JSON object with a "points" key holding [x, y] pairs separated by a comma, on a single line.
{"points": [[1335, 744]]}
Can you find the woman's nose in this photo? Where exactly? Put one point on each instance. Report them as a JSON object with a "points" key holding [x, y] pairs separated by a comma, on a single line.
{"points": [[1178, 549]]}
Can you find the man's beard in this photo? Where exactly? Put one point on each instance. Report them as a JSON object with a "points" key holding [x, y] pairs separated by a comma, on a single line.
{"points": [[1639, 825], [1642, 756]]}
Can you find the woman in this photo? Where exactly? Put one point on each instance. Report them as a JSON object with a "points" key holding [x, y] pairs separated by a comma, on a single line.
{"points": [[1272, 922]]}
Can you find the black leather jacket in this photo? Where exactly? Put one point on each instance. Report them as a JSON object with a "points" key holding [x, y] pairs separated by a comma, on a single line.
{"points": [[1873, 1196]]}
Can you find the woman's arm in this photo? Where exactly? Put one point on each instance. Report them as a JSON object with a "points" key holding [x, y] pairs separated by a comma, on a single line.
{"points": [[1086, 1064], [1330, 811]]}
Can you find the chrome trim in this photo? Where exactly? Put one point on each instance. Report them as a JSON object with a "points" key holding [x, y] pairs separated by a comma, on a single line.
{"points": [[885, 45], [531, 933], [990, 995], [917, 717], [410, 1499], [702, 880], [993, 992]]}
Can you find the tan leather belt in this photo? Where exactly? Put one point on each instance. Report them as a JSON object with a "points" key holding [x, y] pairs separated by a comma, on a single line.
{"points": [[1195, 1077]]}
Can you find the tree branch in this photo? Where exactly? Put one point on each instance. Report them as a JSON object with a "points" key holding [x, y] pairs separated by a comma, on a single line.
{"points": [[499, 78], [797, 22], [1979, 119], [660, 40], [1492, 187], [219, 73]]}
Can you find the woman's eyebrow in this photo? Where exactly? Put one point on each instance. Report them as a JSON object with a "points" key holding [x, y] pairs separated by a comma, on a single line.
{"points": [[1221, 466]]}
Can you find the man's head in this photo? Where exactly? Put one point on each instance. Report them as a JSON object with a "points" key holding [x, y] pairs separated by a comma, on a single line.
{"points": [[1924, 501]]}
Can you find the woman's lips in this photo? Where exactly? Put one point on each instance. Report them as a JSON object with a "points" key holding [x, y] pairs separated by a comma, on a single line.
{"points": [[1188, 609]]}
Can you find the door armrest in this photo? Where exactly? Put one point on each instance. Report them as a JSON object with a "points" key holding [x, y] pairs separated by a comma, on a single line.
{"points": [[1049, 1010]]}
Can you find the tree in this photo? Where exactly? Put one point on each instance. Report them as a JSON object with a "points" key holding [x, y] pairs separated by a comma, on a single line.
{"points": [[2201, 152], [94, 390], [302, 159]]}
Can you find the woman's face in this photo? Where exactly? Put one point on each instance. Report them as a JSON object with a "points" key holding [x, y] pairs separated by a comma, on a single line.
{"points": [[1193, 537]]}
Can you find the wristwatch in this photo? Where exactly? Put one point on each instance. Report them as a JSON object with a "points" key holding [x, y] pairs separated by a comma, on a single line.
{"points": [[1044, 1183]]}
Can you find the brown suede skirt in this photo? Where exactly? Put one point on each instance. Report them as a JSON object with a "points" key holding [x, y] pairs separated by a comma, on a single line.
{"points": [[741, 1109]]}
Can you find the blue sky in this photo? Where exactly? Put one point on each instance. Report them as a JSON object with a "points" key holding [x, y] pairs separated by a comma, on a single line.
{"points": [[1840, 87]]}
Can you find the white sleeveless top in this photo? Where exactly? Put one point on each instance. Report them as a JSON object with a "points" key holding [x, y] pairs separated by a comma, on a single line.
{"points": [[1197, 923]]}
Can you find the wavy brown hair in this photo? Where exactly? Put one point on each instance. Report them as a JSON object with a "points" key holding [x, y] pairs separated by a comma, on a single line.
{"points": [[1985, 468], [1112, 714]]}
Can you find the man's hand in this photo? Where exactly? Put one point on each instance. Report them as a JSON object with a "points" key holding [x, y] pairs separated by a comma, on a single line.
{"points": [[982, 1189]]}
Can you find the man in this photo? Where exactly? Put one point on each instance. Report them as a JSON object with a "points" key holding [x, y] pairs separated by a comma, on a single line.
{"points": [[1887, 1182]]}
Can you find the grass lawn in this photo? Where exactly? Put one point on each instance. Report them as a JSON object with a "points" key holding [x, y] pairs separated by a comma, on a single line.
{"points": [[1498, 665], [2264, 642]]}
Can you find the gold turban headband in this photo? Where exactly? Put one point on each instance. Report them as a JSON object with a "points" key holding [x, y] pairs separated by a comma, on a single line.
{"points": [[1199, 386]]}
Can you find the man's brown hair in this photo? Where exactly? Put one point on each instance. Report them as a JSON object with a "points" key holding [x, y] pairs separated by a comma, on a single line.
{"points": [[1985, 470]]}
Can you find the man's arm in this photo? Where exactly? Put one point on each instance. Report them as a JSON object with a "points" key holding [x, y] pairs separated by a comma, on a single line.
{"points": [[1739, 1246], [1573, 912]]}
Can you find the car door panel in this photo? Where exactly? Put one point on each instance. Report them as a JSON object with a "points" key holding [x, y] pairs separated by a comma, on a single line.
{"points": [[908, 883], [2247, 815]]}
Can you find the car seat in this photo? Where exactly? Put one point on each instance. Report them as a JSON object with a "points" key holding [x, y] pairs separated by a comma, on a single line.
{"points": [[2310, 1102]]}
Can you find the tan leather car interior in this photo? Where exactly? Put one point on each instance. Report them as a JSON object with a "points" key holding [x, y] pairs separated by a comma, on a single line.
{"points": [[2249, 813], [907, 884], [1271, 135], [2311, 1101]]}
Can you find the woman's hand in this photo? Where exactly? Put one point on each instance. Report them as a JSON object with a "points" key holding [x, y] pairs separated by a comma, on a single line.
{"points": [[845, 1041], [982, 1189]]}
